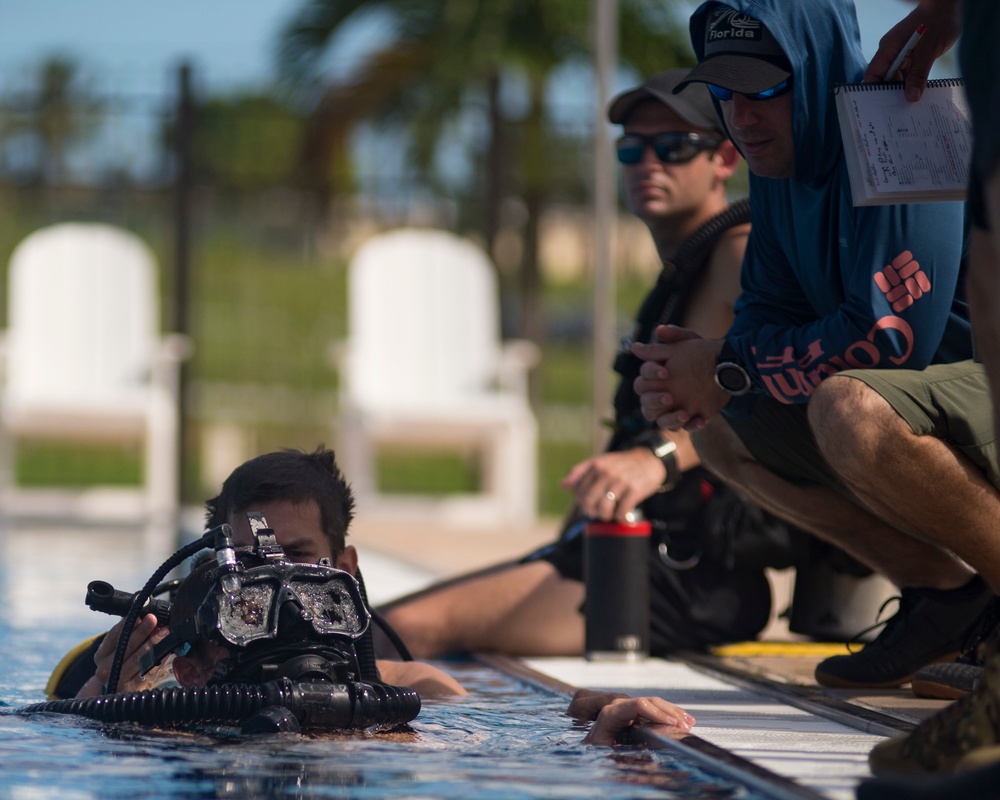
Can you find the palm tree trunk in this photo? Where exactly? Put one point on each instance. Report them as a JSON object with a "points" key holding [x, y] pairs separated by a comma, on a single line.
{"points": [[536, 182], [494, 165]]}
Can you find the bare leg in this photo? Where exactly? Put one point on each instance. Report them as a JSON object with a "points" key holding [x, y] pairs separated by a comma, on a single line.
{"points": [[831, 516], [931, 491], [520, 609]]}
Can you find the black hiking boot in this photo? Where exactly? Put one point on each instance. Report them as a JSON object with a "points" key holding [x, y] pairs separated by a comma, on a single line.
{"points": [[953, 679], [930, 625], [963, 735]]}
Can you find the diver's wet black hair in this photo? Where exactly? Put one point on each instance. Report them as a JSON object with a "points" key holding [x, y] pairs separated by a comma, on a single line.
{"points": [[289, 475]]}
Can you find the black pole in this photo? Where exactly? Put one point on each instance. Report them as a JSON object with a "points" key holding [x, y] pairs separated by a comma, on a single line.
{"points": [[183, 184]]}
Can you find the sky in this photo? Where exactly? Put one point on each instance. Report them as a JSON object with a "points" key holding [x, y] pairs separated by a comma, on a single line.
{"points": [[132, 48], [139, 42], [230, 42]]}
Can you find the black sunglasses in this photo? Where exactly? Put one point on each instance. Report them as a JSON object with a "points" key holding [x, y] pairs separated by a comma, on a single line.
{"points": [[671, 148], [723, 94]]}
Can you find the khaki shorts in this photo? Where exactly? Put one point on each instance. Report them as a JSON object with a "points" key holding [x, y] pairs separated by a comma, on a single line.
{"points": [[949, 401]]}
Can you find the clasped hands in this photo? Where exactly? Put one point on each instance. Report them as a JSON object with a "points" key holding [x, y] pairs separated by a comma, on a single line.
{"points": [[676, 384]]}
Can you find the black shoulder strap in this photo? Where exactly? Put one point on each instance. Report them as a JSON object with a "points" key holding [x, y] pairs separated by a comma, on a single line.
{"points": [[673, 287], [694, 251]]}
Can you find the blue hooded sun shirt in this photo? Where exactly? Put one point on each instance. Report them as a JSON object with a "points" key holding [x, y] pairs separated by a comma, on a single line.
{"points": [[827, 286]]}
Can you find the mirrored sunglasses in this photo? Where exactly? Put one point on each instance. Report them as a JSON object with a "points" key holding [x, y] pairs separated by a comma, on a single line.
{"points": [[720, 93], [670, 148]]}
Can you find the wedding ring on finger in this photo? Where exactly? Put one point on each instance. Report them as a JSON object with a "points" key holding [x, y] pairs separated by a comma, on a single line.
{"points": [[612, 497]]}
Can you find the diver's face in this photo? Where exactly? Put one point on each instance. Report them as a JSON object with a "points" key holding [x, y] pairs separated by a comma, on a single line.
{"points": [[762, 130], [298, 527]]}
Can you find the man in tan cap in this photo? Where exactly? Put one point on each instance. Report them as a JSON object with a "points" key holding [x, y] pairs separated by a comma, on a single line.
{"points": [[675, 165]]}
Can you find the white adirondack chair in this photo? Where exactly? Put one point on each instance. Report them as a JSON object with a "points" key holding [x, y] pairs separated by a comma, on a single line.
{"points": [[424, 366], [83, 360]]}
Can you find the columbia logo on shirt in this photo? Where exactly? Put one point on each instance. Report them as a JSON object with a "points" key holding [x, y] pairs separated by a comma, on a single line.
{"points": [[903, 281]]}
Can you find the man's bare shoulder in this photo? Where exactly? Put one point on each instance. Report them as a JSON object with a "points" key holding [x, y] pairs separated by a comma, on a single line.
{"points": [[731, 245], [726, 262], [710, 311]]}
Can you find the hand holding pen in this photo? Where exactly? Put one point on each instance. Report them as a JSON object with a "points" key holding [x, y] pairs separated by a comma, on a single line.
{"points": [[942, 23], [905, 52]]}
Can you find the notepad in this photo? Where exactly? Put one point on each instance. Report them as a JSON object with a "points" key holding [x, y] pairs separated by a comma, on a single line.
{"points": [[903, 152]]}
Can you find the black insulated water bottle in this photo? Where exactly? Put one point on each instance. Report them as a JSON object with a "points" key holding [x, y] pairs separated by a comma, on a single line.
{"points": [[616, 570]]}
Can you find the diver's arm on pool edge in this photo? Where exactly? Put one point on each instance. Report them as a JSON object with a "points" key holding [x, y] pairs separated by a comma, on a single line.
{"points": [[614, 713], [427, 680]]}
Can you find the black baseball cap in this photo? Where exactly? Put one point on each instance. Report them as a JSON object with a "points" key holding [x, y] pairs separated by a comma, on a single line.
{"points": [[740, 54], [693, 105]]}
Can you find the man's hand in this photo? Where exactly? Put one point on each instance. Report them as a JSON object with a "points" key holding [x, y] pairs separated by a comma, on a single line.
{"points": [[610, 485], [676, 385], [614, 712], [145, 634], [942, 20]]}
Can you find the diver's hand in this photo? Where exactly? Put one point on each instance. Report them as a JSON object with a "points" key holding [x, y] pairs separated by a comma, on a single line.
{"points": [[145, 634], [587, 703], [615, 712]]}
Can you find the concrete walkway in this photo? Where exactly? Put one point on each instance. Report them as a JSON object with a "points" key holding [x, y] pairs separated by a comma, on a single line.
{"points": [[824, 757], [819, 754]]}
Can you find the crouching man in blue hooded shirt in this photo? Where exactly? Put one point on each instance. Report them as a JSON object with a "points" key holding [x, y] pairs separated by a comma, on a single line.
{"points": [[842, 398]]}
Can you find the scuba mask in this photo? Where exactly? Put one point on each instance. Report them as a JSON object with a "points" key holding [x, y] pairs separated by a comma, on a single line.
{"points": [[277, 618]]}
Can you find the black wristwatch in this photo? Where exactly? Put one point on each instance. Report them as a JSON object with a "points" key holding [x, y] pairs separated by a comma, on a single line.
{"points": [[730, 374], [666, 451]]}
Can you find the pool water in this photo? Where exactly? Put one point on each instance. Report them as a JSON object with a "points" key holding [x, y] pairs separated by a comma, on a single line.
{"points": [[505, 740]]}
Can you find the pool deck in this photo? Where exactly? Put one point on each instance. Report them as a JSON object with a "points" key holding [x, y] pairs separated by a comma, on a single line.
{"points": [[760, 714]]}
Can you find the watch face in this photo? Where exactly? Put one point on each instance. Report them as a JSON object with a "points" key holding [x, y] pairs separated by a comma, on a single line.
{"points": [[732, 378]]}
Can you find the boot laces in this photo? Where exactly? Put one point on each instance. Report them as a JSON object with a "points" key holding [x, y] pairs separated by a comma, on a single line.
{"points": [[888, 624]]}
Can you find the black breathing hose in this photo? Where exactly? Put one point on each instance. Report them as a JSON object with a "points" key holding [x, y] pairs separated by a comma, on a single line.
{"points": [[141, 598], [314, 705], [364, 647], [317, 704]]}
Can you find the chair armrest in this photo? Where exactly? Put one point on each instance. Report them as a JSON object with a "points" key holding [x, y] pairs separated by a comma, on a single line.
{"points": [[175, 347], [172, 349], [517, 357]]}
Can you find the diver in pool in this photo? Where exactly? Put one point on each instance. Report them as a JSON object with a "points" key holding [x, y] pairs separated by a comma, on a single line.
{"points": [[309, 506], [204, 660], [307, 502]]}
